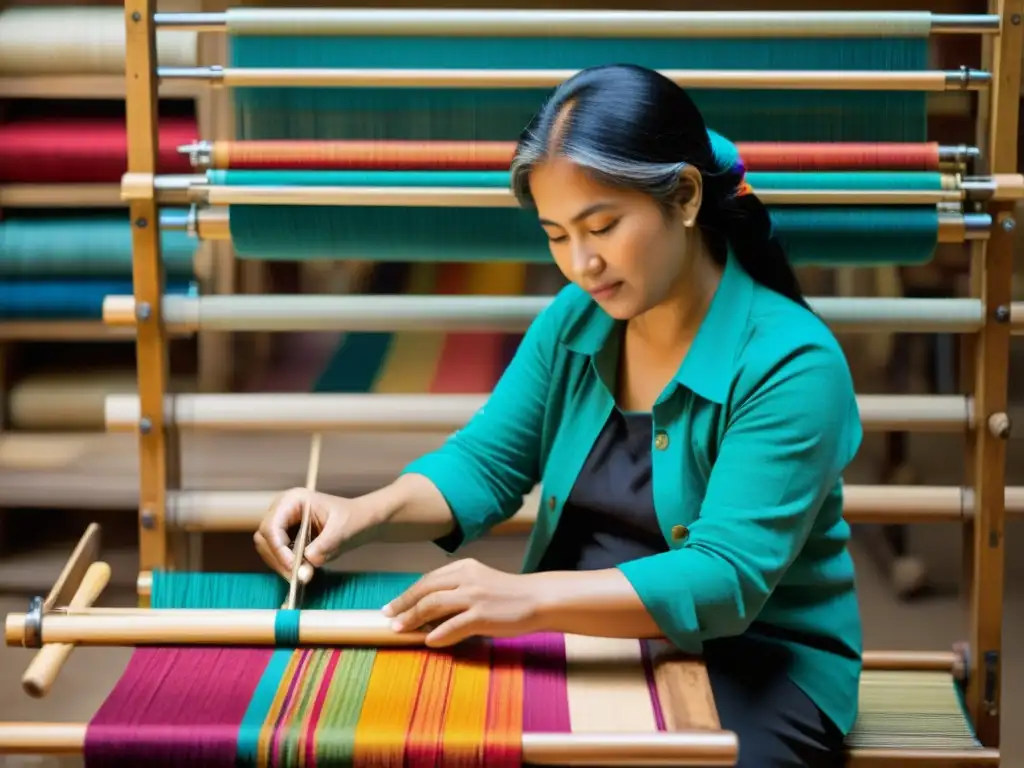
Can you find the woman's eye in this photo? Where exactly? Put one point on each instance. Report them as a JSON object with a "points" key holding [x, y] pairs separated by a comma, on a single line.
{"points": [[605, 229], [559, 239]]}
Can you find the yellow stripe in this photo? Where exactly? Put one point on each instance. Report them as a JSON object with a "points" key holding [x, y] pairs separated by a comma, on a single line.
{"points": [[495, 279], [412, 356], [465, 725]]}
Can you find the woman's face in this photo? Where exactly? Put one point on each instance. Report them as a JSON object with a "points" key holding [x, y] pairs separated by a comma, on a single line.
{"points": [[618, 245]]}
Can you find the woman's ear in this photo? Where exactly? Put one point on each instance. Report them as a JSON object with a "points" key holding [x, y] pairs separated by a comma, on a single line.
{"points": [[691, 191]]}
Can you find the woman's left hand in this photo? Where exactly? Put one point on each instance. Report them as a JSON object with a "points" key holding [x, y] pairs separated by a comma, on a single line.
{"points": [[464, 599]]}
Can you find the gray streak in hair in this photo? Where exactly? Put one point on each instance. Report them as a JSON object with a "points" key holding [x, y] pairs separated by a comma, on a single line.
{"points": [[659, 180]]}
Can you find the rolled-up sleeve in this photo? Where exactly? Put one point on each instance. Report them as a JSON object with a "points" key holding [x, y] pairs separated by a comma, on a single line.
{"points": [[486, 468], [788, 439]]}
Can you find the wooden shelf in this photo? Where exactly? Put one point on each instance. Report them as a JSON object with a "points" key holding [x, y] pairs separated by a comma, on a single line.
{"points": [[86, 87], [61, 196]]}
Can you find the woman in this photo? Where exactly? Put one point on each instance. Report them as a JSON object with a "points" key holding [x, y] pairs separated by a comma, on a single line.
{"points": [[687, 415]]}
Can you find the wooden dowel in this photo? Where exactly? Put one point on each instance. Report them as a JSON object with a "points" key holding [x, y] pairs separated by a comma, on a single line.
{"points": [[242, 511], [147, 626], [42, 671], [443, 413], [665, 748], [916, 661], [299, 575], [488, 314], [573, 23], [484, 197], [869, 80]]}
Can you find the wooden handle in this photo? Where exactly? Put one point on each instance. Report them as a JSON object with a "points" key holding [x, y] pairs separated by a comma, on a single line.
{"points": [[46, 664]]}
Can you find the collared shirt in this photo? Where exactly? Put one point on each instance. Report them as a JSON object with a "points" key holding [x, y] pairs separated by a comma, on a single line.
{"points": [[750, 440]]}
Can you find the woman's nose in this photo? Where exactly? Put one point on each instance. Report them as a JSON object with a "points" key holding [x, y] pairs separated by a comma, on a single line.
{"points": [[584, 261]]}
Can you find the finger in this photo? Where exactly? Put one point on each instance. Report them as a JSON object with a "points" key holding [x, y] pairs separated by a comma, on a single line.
{"points": [[431, 609], [269, 555], [286, 514], [441, 578], [326, 543], [459, 627]]}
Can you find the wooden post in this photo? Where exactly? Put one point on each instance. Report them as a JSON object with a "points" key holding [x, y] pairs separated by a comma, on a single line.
{"points": [[158, 450], [991, 366]]}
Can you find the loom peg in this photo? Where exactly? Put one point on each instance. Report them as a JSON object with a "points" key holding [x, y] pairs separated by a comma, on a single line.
{"points": [[573, 23], [42, 671], [258, 77]]}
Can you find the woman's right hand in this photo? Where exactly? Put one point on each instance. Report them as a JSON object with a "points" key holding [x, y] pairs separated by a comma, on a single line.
{"points": [[334, 523]]}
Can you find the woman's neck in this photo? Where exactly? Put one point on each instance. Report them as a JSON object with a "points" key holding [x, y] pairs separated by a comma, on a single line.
{"points": [[675, 321]]}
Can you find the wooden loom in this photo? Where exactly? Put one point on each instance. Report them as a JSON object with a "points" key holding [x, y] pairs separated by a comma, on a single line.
{"points": [[988, 318]]}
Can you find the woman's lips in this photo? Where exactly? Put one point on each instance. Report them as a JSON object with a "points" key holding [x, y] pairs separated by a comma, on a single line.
{"points": [[605, 291]]}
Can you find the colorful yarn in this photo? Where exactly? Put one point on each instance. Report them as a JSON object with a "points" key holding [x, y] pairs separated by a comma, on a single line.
{"points": [[500, 114], [362, 707], [60, 299], [814, 234], [83, 150], [763, 180], [423, 362], [497, 156], [98, 246]]}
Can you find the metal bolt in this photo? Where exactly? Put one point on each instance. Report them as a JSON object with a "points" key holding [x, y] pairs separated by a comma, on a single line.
{"points": [[136, 17], [141, 223], [148, 519], [1002, 314], [1015, 18], [143, 311], [1009, 224], [145, 425]]}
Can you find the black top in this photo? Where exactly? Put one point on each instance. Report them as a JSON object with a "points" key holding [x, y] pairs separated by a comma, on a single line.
{"points": [[609, 517]]}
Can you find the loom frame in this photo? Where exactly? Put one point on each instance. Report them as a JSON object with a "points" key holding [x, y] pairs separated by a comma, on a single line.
{"points": [[985, 422], [694, 736]]}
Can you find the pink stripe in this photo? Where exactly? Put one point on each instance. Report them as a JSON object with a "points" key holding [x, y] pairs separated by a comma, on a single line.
{"points": [[652, 686], [545, 689], [165, 691]]}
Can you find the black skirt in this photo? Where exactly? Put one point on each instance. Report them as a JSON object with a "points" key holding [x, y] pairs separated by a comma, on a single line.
{"points": [[776, 723]]}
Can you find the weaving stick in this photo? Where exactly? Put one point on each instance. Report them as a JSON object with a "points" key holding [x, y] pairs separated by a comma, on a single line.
{"points": [[302, 539], [46, 664]]}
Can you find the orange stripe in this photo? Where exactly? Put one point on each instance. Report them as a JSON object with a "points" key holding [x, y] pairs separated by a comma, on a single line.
{"points": [[503, 733], [388, 708], [424, 737]]}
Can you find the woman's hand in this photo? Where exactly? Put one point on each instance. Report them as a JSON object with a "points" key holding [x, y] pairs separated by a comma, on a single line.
{"points": [[335, 523], [467, 598]]}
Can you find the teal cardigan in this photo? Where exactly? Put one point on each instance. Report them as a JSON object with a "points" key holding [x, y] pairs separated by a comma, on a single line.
{"points": [[750, 441]]}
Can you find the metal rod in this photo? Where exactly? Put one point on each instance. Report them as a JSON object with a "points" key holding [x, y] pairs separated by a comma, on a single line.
{"points": [[444, 413], [861, 80], [496, 197], [510, 314], [568, 23], [657, 748]]}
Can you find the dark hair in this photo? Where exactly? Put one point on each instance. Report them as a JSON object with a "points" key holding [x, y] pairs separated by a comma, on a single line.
{"points": [[633, 127]]}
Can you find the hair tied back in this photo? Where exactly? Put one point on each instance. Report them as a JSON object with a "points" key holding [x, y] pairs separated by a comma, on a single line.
{"points": [[728, 161]]}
